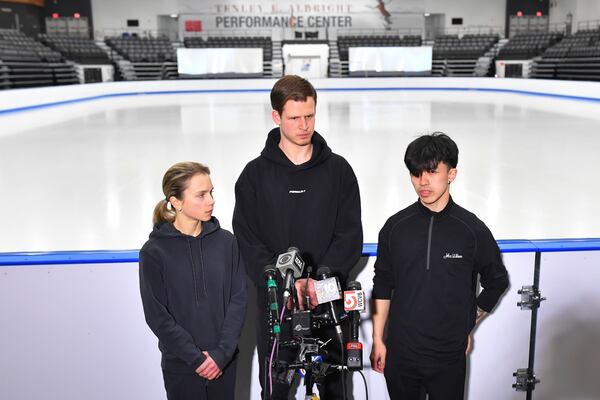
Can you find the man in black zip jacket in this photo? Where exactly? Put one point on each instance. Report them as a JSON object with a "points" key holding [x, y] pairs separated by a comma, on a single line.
{"points": [[297, 193], [429, 256]]}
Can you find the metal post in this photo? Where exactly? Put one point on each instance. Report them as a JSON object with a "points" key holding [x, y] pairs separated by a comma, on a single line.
{"points": [[533, 330], [530, 300]]}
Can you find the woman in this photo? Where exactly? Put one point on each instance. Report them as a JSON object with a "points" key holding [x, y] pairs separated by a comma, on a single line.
{"points": [[193, 287]]}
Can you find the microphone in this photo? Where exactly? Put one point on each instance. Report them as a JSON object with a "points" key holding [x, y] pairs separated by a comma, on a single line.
{"points": [[290, 265], [269, 274], [290, 260], [328, 291], [354, 303]]}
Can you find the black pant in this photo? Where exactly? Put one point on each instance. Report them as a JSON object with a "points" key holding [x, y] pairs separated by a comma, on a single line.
{"points": [[411, 381], [330, 388], [190, 386]]}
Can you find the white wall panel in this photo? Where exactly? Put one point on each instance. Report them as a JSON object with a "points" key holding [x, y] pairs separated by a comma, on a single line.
{"points": [[79, 331]]}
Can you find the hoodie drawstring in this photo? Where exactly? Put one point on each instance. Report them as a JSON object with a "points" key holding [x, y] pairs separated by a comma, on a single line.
{"points": [[202, 267], [193, 271]]}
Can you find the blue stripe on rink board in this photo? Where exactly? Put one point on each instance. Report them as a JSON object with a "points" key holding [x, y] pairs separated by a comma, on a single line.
{"points": [[349, 89], [369, 249]]}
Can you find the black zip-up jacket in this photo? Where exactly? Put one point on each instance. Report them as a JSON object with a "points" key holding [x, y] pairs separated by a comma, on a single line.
{"points": [[427, 264], [194, 294], [314, 206]]}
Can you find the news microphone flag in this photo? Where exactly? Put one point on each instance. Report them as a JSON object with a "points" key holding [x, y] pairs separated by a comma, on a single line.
{"points": [[327, 290], [354, 300]]}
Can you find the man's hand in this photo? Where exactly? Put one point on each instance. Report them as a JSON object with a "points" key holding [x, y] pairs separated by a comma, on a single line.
{"points": [[300, 286], [380, 308], [378, 352], [209, 368], [480, 315]]}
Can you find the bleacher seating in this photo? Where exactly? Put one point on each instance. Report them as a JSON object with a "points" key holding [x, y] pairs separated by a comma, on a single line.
{"points": [[345, 42], [137, 49], [526, 46], [233, 42], [454, 56], [144, 58], [466, 48], [576, 57], [25, 62], [78, 49], [581, 44], [16, 46]]}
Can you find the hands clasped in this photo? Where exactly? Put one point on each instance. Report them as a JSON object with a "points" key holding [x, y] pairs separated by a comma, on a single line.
{"points": [[209, 368]]}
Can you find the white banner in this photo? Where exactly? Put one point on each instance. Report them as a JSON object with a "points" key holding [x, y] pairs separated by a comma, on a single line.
{"points": [[319, 14], [258, 7], [219, 61], [390, 59]]}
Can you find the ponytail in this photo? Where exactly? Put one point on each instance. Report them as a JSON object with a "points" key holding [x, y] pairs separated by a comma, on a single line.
{"points": [[162, 213]]}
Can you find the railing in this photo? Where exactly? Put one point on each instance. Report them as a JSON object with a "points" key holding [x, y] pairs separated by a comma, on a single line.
{"points": [[474, 29], [229, 32], [72, 278], [369, 250], [140, 32], [587, 25], [560, 27], [381, 32]]}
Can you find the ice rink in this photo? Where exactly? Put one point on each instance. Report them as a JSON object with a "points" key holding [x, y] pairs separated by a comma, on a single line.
{"points": [[81, 169], [87, 174]]}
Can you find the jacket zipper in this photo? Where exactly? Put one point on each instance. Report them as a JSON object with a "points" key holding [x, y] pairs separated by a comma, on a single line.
{"points": [[429, 242]]}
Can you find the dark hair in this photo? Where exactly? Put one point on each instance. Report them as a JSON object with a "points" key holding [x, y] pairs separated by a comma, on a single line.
{"points": [[291, 87], [174, 183], [427, 151]]}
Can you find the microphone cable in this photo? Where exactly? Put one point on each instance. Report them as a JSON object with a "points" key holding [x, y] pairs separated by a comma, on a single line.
{"points": [[342, 371], [365, 382], [275, 345]]}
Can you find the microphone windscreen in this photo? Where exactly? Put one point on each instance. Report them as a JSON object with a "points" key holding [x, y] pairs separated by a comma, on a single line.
{"points": [[323, 270], [269, 268], [354, 285]]}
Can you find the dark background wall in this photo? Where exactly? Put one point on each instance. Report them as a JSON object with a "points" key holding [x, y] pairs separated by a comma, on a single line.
{"points": [[66, 8], [30, 18], [527, 7]]}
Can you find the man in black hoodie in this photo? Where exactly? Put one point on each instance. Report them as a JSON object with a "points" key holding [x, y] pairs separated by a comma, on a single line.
{"points": [[297, 193], [429, 256]]}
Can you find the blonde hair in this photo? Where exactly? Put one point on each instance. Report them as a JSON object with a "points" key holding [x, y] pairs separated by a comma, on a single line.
{"points": [[174, 183]]}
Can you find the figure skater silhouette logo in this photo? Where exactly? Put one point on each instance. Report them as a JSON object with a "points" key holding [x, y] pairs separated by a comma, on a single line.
{"points": [[383, 12]]}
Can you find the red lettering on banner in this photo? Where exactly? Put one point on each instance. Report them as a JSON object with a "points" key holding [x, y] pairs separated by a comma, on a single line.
{"points": [[277, 8]]}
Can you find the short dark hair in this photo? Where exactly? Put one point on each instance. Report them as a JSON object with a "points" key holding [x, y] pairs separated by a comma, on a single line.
{"points": [[427, 151], [291, 87]]}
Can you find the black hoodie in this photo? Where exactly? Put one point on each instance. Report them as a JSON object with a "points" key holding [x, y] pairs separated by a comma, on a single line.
{"points": [[194, 294], [314, 206], [430, 262]]}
